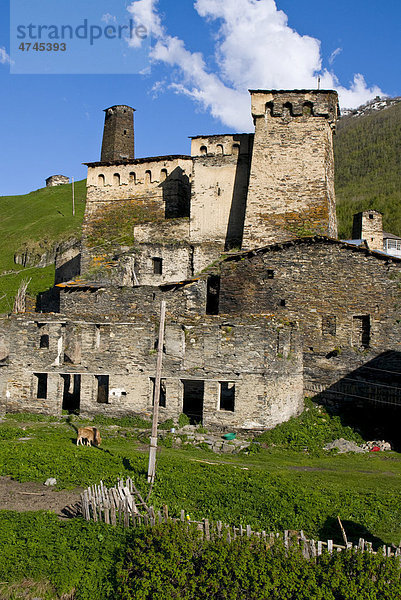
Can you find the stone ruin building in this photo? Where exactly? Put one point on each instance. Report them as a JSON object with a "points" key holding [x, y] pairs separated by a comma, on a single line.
{"points": [[55, 180], [264, 304]]}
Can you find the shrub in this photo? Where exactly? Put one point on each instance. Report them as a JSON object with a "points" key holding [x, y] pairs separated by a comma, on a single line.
{"points": [[183, 420]]}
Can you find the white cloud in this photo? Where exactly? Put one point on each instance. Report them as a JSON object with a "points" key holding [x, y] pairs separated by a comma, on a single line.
{"points": [[254, 48], [143, 13], [334, 55], [4, 57]]}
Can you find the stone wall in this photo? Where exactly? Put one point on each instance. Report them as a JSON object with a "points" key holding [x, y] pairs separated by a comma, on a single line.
{"points": [[219, 188], [55, 180], [141, 191], [118, 134], [108, 368], [347, 301], [291, 189], [120, 302]]}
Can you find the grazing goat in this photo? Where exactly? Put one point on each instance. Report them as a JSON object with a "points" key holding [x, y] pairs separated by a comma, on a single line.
{"points": [[88, 436]]}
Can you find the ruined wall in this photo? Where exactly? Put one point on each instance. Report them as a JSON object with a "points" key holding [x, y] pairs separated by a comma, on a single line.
{"points": [[128, 302], [347, 301], [219, 188], [120, 196], [291, 189], [209, 353], [55, 180]]}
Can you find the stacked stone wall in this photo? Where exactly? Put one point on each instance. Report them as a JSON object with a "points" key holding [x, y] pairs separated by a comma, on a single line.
{"points": [[291, 188], [242, 353]]}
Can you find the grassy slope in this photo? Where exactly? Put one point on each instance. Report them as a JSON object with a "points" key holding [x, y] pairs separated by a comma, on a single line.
{"points": [[368, 168], [41, 217], [274, 489]]}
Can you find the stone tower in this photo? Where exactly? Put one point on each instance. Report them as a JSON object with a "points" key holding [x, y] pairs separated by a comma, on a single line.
{"points": [[118, 134], [368, 225], [291, 188]]}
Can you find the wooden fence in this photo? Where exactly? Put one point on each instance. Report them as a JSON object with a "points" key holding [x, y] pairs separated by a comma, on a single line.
{"points": [[124, 505]]}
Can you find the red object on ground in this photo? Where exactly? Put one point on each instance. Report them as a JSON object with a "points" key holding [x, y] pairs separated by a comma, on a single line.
{"points": [[375, 449]]}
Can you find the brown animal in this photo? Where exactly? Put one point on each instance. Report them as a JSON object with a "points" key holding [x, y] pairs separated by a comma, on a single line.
{"points": [[88, 436]]}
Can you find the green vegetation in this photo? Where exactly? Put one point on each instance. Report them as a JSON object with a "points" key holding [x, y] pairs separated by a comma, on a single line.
{"points": [[52, 558], [311, 431], [171, 562], [274, 489], [116, 224], [282, 486], [35, 222], [368, 168], [92, 561]]}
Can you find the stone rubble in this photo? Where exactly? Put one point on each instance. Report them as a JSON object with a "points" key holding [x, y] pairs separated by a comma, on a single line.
{"points": [[343, 446]]}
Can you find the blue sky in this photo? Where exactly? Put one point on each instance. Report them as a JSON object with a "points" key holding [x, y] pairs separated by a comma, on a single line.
{"points": [[204, 56]]}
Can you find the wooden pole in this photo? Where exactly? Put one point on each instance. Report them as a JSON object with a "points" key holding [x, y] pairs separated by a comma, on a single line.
{"points": [[73, 197], [156, 397]]}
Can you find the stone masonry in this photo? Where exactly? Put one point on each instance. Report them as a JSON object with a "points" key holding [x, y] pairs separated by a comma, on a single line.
{"points": [[264, 305]]}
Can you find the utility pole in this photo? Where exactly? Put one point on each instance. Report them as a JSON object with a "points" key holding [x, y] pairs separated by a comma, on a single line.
{"points": [[156, 396], [73, 197]]}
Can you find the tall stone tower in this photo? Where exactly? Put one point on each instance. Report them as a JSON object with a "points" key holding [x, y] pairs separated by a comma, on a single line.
{"points": [[368, 225], [291, 188], [118, 134]]}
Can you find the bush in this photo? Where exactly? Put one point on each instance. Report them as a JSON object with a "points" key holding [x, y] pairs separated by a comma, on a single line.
{"points": [[183, 420], [167, 425], [171, 561], [312, 430]]}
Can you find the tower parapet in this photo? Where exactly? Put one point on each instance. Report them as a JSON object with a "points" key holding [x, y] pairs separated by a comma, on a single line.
{"points": [[118, 135], [291, 189]]}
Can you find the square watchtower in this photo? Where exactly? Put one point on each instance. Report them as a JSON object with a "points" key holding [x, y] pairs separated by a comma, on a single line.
{"points": [[291, 188]]}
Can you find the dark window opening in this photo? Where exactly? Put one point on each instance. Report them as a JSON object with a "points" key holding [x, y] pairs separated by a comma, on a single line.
{"points": [[227, 396], [307, 109], [156, 346], [193, 400], [203, 150], [157, 266], [102, 389], [125, 132], [288, 110], [270, 274], [213, 295], [269, 108], [371, 216], [329, 325], [282, 302], [44, 341], [361, 331], [71, 392], [41, 388], [162, 397]]}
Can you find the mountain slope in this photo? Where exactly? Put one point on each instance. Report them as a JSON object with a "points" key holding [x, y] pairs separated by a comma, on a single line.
{"points": [[368, 167], [35, 222]]}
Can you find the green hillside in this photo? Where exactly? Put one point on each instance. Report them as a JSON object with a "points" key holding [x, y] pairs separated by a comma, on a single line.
{"points": [[37, 220], [368, 168]]}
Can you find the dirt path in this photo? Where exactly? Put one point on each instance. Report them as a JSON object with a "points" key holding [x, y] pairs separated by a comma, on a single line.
{"points": [[35, 496]]}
